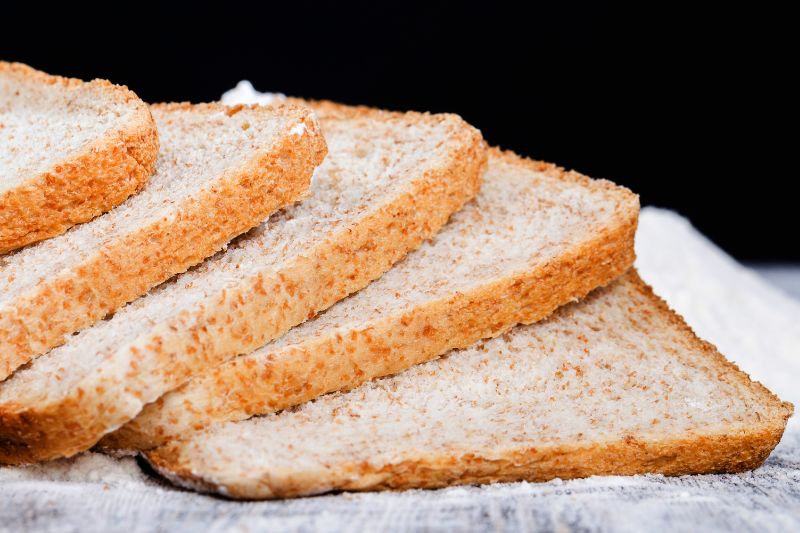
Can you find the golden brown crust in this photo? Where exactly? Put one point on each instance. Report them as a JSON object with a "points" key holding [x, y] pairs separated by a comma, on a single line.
{"points": [[347, 263], [305, 371], [246, 318], [101, 175], [713, 452], [33, 433], [701, 454], [130, 267]]}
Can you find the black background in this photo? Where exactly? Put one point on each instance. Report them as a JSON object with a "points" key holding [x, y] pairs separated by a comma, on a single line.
{"points": [[694, 109]]}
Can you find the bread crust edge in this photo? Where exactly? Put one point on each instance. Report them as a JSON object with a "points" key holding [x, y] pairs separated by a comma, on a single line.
{"points": [[715, 452], [246, 195], [353, 260], [703, 454], [305, 371], [33, 433], [102, 174], [29, 434]]}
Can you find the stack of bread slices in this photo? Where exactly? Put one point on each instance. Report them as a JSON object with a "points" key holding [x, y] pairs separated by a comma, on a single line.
{"points": [[269, 297]]}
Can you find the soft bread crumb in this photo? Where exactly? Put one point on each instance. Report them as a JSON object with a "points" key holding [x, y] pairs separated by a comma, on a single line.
{"points": [[207, 168], [534, 238], [391, 181], [69, 151], [618, 370]]}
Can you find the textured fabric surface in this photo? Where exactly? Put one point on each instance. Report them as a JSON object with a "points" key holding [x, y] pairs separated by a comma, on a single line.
{"points": [[754, 324]]}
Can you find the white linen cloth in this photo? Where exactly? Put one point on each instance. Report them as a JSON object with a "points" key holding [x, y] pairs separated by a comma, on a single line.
{"points": [[752, 323]]}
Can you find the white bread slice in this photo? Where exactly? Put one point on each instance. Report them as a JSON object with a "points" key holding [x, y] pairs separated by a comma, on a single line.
{"points": [[534, 238], [220, 172], [69, 151], [615, 384], [390, 181]]}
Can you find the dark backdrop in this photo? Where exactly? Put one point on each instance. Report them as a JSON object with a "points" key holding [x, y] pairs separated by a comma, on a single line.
{"points": [[693, 109]]}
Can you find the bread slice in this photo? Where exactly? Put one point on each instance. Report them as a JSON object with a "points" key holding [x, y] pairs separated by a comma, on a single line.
{"points": [[69, 151], [535, 238], [390, 181], [220, 172], [615, 384]]}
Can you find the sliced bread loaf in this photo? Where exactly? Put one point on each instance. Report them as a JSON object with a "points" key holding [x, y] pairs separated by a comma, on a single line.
{"points": [[69, 151], [220, 172], [615, 384], [534, 238], [390, 181]]}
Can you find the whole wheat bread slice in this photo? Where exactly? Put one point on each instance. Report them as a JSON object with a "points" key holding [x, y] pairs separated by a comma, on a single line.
{"points": [[69, 151], [533, 239], [389, 181], [220, 172], [615, 384]]}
